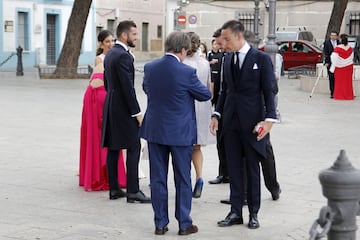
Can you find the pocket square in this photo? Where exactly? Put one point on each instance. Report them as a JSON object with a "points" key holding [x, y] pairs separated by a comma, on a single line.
{"points": [[255, 66]]}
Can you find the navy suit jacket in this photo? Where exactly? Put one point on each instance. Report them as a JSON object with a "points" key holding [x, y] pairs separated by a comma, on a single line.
{"points": [[171, 88], [119, 130], [328, 49], [249, 96]]}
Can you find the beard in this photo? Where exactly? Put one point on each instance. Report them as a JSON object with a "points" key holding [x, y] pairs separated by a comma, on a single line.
{"points": [[130, 43]]}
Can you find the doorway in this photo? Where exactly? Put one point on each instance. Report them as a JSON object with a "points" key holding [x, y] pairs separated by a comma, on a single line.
{"points": [[145, 37], [51, 41]]}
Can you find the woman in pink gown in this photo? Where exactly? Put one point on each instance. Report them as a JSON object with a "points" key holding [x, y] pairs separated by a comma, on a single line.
{"points": [[342, 66], [93, 173]]}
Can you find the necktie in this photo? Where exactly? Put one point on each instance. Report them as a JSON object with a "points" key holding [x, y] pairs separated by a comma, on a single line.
{"points": [[237, 60]]}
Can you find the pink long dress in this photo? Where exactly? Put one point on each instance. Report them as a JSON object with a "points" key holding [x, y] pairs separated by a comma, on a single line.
{"points": [[93, 172]]}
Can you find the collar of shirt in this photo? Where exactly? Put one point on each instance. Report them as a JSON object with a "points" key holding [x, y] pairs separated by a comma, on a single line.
{"points": [[243, 51], [122, 44], [171, 54]]}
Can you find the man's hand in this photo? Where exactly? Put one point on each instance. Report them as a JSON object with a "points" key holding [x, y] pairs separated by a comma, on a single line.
{"points": [[140, 118], [266, 125], [326, 65], [214, 61], [214, 126]]}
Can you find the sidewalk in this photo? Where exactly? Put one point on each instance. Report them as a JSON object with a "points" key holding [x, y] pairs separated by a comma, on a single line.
{"points": [[39, 153]]}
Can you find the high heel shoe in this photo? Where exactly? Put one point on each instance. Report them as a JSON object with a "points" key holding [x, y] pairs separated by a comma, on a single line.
{"points": [[198, 188]]}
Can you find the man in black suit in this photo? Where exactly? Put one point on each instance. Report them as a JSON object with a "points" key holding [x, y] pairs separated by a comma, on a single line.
{"points": [[329, 46], [248, 86], [122, 116], [216, 76]]}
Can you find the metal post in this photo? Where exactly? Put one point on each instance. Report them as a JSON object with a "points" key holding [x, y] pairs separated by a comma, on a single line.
{"points": [[341, 186], [271, 46], [19, 68], [256, 23]]}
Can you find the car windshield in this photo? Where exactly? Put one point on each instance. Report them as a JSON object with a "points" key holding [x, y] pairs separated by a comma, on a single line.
{"points": [[286, 35]]}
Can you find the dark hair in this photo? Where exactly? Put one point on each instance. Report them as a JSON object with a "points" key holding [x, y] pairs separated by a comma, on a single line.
{"points": [[124, 26], [212, 41], [205, 48], [333, 31], [176, 41], [101, 37], [195, 43], [217, 33], [344, 39], [234, 25]]}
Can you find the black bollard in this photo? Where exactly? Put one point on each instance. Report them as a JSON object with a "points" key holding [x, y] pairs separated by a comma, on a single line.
{"points": [[19, 68]]}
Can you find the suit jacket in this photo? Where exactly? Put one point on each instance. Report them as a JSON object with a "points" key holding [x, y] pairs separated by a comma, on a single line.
{"points": [[171, 88], [120, 128], [328, 49], [247, 94]]}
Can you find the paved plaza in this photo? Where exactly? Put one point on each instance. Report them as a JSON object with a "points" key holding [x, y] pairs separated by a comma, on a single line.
{"points": [[39, 156]]}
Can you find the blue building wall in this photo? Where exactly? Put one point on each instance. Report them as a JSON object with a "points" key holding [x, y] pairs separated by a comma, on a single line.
{"points": [[30, 58]]}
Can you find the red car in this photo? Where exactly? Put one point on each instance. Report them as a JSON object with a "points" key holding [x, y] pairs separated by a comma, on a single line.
{"points": [[298, 53]]}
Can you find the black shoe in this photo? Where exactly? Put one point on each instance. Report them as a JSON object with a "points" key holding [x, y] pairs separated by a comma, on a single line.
{"points": [[217, 180], [253, 221], [138, 197], [225, 201], [115, 194], [276, 194], [190, 230], [198, 188], [226, 179], [231, 219], [161, 231]]}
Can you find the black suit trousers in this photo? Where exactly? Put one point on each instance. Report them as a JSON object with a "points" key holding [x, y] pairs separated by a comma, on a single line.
{"points": [[132, 168], [239, 155], [223, 170], [331, 81], [269, 169]]}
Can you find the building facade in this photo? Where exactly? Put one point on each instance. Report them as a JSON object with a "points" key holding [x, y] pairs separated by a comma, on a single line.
{"points": [[204, 17], [39, 27], [149, 16]]}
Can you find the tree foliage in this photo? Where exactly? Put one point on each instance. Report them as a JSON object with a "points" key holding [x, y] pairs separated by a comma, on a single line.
{"points": [[68, 60]]}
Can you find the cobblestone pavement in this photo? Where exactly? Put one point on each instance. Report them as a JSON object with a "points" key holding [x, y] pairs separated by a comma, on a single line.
{"points": [[39, 153]]}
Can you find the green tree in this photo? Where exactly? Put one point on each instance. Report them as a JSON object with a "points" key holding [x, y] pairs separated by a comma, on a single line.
{"points": [[67, 64], [336, 17]]}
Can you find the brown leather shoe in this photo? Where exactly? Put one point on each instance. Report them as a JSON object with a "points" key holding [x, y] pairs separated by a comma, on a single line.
{"points": [[190, 230], [161, 231]]}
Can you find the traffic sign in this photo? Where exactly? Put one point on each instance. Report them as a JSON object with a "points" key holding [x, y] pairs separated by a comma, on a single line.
{"points": [[181, 19], [192, 19]]}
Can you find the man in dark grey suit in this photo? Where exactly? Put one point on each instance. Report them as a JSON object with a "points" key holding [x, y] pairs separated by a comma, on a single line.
{"points": [[329, 46], [122, 116], [248, 86]]}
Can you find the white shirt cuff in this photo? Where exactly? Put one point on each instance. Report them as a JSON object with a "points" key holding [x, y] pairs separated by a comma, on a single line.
{"points": [[271, 120], [218, 114]]}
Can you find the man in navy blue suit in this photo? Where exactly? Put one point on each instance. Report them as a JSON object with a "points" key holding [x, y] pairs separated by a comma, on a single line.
{"points": [[248, 84], [169, 126], [122, 116]]}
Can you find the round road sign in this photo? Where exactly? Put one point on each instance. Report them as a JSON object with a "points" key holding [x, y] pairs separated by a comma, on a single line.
{"points": [[181, 19], [192, 19]]}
